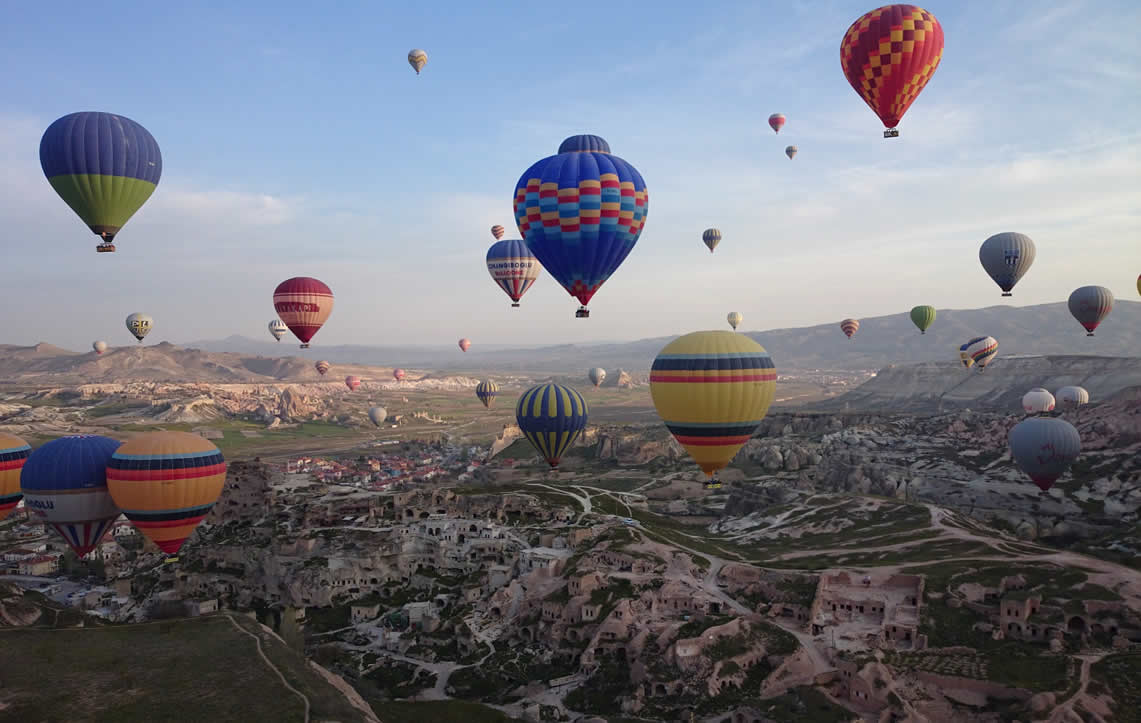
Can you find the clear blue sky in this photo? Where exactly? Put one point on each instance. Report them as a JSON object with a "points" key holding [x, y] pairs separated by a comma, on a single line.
{"points": [[296, 140]]}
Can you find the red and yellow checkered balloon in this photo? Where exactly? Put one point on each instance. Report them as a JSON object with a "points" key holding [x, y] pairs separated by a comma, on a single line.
{"points": [[888, 55]]}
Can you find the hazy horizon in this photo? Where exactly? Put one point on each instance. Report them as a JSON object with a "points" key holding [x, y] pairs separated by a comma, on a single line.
{"points": [[301, 143]]}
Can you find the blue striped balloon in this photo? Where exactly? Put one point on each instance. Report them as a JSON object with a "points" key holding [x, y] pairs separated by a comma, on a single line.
{"points": [[551, 416], [513, 267]]}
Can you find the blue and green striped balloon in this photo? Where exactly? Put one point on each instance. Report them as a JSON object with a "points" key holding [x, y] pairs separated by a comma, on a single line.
{"points": [[551, 416], [103, 165]]}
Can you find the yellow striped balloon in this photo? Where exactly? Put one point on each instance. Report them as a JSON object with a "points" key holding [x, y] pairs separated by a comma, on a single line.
{"points": [[166, 483], [712, 389], [13, 453]]}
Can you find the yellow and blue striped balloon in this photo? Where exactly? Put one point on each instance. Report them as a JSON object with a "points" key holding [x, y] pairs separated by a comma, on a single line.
{"points": [[551, 417], [487, 391], [712, 389]]}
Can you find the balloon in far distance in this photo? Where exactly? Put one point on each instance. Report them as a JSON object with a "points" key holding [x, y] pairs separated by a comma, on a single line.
{"points": [[1006, 257], [465, 344], [304, 304], [888, 55], [377, 415], [277, 329], [711, 237], [99, 346], [551, 416], [65, 485], [353, 383], [923, 317], [321, 367], [512, 267], [1139, 283], [497, 231], [13, 453], [712, 389], [734, 318], [166, 483], [398, 374], [1044, 448], [1090, 305], [776, 122], [597, 376], [601, 204], [139, 325], [981, 350], [104, 166], [486, 392], [1037, 401], [849, 327], [1073, 396], [791, 152], [417, 59]]}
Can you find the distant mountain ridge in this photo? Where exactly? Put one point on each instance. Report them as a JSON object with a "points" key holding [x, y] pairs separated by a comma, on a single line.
{"points": [[1045, 329]]}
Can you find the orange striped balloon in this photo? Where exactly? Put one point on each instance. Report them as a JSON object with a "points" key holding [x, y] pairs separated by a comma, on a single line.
{"points": [[849, 327], [166, 483], [13, 453]]}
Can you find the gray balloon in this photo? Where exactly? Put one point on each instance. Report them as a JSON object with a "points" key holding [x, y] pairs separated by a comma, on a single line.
{"points": [[597, 376], [1007, 257], [378, 415], [1091, 304], [1044, 447]]}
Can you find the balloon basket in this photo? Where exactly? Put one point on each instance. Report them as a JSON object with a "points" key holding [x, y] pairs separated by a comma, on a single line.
{"points": [[1007, 293], [582, 313], [922, 332], [105, 248], [1089, 333], [891, 133], [515, 305], [171, 559], [304, 346]]}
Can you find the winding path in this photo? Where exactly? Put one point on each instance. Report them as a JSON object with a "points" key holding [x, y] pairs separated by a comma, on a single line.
{"points": [[269, 663]]}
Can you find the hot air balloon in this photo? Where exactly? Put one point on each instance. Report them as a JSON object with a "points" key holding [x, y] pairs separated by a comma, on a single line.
{"points": [[791, 152], [353, 383], [486, 392], [849, 327], [139, 325], [1044, 447], [581, 213], [304, 304], [1073, 396], [1006, 257], [377, 415], [99, 346], [13, 452], [1037, 401], [513, 267], [981, 350], [1139, 283], [166, 483], [1090, 305], [597, 375], [465, 344], [321, 367], [888, 55], [104, 166], [277, 329], [711, 237], [551, 417], [712, 389], [398, 374], [65, 485], [923, 317], [734, 318], [776, 122], [417, 59], [497, 231]]}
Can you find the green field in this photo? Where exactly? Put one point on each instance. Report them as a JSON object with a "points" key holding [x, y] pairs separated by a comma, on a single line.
{"points": [[440, 711], [199, 669]]}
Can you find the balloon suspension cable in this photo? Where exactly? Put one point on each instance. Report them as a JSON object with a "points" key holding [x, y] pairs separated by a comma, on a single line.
{"points": [[582, 313], [891, 133]]}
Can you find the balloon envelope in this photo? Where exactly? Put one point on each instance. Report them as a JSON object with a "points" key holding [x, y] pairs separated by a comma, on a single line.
{"points": [[321, 367], [377, 415], [711, 237], [1073, 396], [734, 318], [139, 325], [486, 392], [1044, 448], [13, 453], [849, 327], [497, 231], [1090, 305], [1037, 401], [353, 383], [581, 212], [417, 59], [398, 374], [551, 416], [103, 166], [99, 346], [791, 152], [980, 350], [303, 304], [1006, 257], [166, 483], [776, 122], [465, 344], [923, 317], [65, 485], [712, 389], [597, 375], [888, 55], [277, 329], [513, 267]]}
